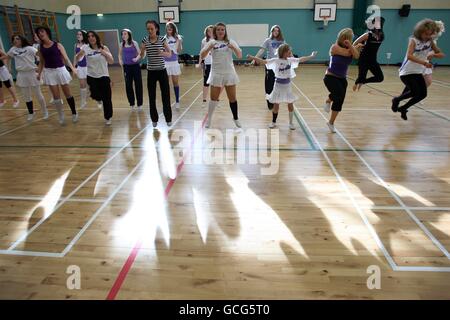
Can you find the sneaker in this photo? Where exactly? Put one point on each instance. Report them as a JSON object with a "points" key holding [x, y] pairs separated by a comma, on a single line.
{"points": [[51, 101], [45, 114], [272, 125], [83, 106], [177, 105], [237, 123], [61, 117], [291, 126], [331, 127], [395, 104], [75, 118], [155, 124], [133, 108], [99, 104], [403, 114], [327, 107], [16, 104], [169, 124], [2, 104], [108, 122], [30, 116], [139, 108]]}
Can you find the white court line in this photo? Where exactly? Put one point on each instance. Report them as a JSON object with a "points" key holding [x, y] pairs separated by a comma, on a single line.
{"points": [[410, 208], [350, 196], [383, 183], [29, 123], [31, 253], [423, 268], [71, 194], [112, 195], [370, 109], [40, 198]]}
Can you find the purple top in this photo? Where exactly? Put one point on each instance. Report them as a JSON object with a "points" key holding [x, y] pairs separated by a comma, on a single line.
{"points": [[52, 56], [128, 54], [283, 81], [82, 62], [339, 65], [173, 57]]}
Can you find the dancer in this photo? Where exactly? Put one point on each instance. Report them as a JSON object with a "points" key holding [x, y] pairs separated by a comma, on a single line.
{"points": [[222, 73], [283, 68], [341, 54], [413, 67], [98, 56], [156, 48], [206, 62], [24, 56], [81, 66], [129, 57], [271, 45], [51, 67], [5, 79], [428, 73], [175, 42], [368, 58]]}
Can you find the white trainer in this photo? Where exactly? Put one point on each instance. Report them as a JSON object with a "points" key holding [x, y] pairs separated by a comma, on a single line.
{"points": [[108, 122], [327, 107], [45, 114], [177, 105], [16, 104], [30, 116], [75, 118], [272, 125], [291, 126], [237, 123], [331, 127]]}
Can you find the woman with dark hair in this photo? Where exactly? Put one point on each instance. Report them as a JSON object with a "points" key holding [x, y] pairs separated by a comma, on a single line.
{"points": [[155, 48], [97, 57], [51, 67], [270, 45], [82, 39], [371, 40], [173, 68], [129, 57], [24, 56]]}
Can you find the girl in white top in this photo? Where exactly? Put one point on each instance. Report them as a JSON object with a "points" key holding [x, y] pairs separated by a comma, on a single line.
{"points": [[81, 66], [222, 73], [175, 43], [429, 71], [207, 61], [421, 49], [98, 56], [283, 67], [24, 56]]}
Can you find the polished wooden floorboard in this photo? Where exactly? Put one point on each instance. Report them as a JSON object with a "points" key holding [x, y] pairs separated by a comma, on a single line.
{"points": [[86, 194]]}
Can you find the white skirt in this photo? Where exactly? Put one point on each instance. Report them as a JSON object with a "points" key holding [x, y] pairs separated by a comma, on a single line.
{"points": [[27, 79], [428, 71], [82, 72], [282, 93], [4, 74], [221, 80], [54, 77], [173, 68]]}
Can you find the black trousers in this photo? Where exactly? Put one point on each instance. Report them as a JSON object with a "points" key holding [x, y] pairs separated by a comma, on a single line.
{"points": [[133, 74], [337, 88], [372, 66], [153, 77], [269, 83], [7, 83], [415, 88], [101, 91]]}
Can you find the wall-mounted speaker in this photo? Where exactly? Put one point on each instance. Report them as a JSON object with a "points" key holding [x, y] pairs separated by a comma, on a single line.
{"points": [[404, 10]]}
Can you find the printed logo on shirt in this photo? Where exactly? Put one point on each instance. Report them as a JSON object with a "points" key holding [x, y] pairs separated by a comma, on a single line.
{"points": [[283, 68], [18, 52], [94, 53], [276, 44], [422, 47], [220, 46]]}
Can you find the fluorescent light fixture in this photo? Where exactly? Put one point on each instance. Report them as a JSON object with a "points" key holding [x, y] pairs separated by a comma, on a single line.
{"points": [[99, 14]]}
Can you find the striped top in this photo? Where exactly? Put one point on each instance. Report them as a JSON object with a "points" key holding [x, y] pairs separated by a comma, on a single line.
{"points": [[153, 49]]}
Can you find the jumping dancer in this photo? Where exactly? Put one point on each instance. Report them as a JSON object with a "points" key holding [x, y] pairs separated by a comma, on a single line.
{"points": [[173, 68], [129, 57], [368, 58], [81, 66], [417, 58], [271, 45], [341, 55], [52, 68], [222, 73], [283, 68], [24, 56], [5, 79], [98, 56], [156, 48]]}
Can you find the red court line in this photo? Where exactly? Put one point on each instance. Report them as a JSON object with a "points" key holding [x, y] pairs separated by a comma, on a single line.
{"points": [[137, 247]]}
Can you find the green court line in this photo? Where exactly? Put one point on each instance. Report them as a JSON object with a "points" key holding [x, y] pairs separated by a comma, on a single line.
{"points": [[308, 137], [235, 148]]}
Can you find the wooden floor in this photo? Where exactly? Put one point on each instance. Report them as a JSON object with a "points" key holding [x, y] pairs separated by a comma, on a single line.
{"points": [[105, 198]]}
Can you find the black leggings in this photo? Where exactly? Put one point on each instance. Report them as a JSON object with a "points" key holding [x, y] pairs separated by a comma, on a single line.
{"points": [[154, 76], [364, 67], [101, 91], [269, 83], [7, 83], [338, 88], [133, 73], [206, 72], [415, 88]]}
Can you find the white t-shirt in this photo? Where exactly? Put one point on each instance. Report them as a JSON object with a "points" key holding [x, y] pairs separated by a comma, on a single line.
{"points": [[222, 57], [283, 68], [421, 50], [172, 43], [25, 58], [272, 45], [97, 65], [208, 59]]}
